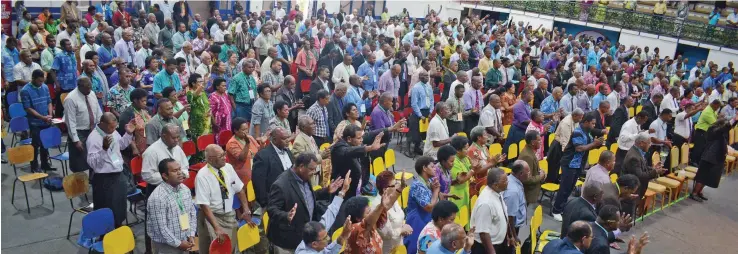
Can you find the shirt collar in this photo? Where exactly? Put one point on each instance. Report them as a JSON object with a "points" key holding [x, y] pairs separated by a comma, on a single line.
{"points": [[297, 178]]}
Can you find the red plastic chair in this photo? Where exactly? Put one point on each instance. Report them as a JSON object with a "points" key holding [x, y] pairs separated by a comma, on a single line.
{"points": [[305, 85], [188, 147], [436, 98], [221, 248], [407, 111], [190, 182], [136, 168], [223, 137], [441, 86], [205, 140]]}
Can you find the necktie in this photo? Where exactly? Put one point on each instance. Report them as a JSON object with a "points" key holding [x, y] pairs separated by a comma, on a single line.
{"points": [[89, 113], [572, 104], [476, 101]]}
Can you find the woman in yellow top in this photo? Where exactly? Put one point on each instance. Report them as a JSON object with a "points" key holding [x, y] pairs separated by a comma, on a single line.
{"points": [[460, 172], [707, 118]]}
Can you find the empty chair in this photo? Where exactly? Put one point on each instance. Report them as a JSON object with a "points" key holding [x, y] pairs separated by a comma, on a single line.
{"points": [[76, 185], [51, 138], [24, 154], [94, 225], [119, 241], [16, 110], [19, 125]]}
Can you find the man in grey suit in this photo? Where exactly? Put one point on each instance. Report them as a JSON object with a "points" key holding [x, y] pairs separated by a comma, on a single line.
{"points": [[635, 163], [335, 106]]}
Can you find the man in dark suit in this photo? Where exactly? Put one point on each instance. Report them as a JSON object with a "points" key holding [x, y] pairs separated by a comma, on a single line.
{"points": [[348, 153], [578, 239], [335, 106], [292, 202], [269, 163], [635, 163], [359, 59], [605, 229], [582, 208], [600, 115], [322, 82], [332, 45], [540, 93], [651, 107], [617, 120]]}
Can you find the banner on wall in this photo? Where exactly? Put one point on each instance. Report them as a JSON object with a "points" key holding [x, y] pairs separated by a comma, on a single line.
{"points": [[598, 34], [6, 11]]}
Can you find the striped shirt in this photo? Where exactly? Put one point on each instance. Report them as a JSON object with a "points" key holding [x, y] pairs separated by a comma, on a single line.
{"points": [[37, 98]]}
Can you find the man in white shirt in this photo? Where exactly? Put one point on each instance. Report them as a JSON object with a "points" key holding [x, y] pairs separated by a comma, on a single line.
{"points": [[189, 56], [216, 186], [68, 34], [489, 216], [89, 46], [491, 118], [614, 98], [81, 113], [144, 52], [343, 71], [278, 12], [23, 70], [166, 147], [437, 134], [658, 136], [683, 125], [204, 68], [461, 79], [570, 100], [628, 134], [732, 19], [33, 42], [671, 101]]}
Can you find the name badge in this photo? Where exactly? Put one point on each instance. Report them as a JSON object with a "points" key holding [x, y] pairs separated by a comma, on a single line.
{"points": [[184, 221], [185, 125], [363, 108], [458, 116], [251, 94]]}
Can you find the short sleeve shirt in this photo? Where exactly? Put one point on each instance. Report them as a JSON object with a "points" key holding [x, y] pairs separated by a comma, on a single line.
{"points": [[428, 235]]}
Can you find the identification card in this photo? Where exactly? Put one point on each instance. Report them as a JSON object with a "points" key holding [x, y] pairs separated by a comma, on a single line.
{"points": [[184, 221], [251, 94], [185, 125], [427, 101], [458, 116], [362, 108]]}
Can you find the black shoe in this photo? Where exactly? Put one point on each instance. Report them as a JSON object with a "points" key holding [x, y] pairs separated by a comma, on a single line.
{"points": [[418, 151], [695, 198], [50, 169], [702, 196], [5, 161]]}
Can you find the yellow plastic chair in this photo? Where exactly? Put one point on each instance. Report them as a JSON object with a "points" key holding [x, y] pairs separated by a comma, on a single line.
{"points": [[548, 189], [399, 249], [378, 166], [63, 97], [405, 196], [614, 148], [389, 158], [521, 145], [506, 170], [247, 236], [495, 149], [551, 138], [631, 112], [462, 217], [335, 236], [324, 146], [250, 193], [119, 241], [423, 126], [685, 158], [638, 109], [512, 152], [613, 178], [594, 156], [535, 223], [317, 187], [731, 136], [463, 134], [506, 130], [22, 155], [265, 220], [474, 201], [681, 179]]}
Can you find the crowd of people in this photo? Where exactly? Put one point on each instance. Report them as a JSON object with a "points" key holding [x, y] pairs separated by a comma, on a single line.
{"points": [[274, 89]]}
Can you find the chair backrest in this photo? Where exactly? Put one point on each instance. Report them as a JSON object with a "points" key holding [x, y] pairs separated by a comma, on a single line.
{"points": [[265, 220], [50, 137], [336, 234], [188, 147], [16, 110], [97, 223], [614, 148], [397, 116], [136, 165], [613, 178], [76, 184], [378, 165], [551, 138], [685, 154], [543, 165], [250, 194], [462, 134], [405, 196], [506, 129], [399, 249], [631, 112], [63, 97], [18, 124], [473, 201], [407, 111], [495, 149], [20, 154], [423, 125], [535, 224], [224, 247], [521, 145], [674, 156], [190, 181], [512, 151], [305, 85], [462, 217], [12, 98], [119, 241], [205, 140], [389, 157], [593, 156], [731, 136], [224, 136], [655, 158], [324, 146], [247, 236], [638, 109]]}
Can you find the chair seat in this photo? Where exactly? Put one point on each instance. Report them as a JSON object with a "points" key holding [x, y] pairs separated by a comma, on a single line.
{"points": [[142, 184], [579, 183], [655, 187], [676, 177], [61, 157], [649, 193], [97, 246], [404, 130], [667, 182], [550, 187], [689, 175], [406, 176], [543, 239], [31, 177], [136, 192], [691, 169], [507, 170], [25, 141], [729, 158]]}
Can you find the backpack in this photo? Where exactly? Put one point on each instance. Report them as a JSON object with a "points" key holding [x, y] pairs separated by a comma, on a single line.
{"points": [[53, 183]]}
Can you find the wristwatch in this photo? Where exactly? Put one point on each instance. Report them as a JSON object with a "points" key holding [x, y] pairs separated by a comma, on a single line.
{"points": [[341, 194]]}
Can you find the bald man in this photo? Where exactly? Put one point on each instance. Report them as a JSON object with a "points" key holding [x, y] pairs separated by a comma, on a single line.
{"points": [[109, 188]]}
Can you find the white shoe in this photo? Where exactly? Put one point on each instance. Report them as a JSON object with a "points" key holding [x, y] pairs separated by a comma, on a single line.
{"points": [[557, 217]]}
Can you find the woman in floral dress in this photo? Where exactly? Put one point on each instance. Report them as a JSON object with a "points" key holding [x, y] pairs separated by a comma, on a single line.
{"points": [[508, 101], [220, 108], [480, 159], [199, 107]]}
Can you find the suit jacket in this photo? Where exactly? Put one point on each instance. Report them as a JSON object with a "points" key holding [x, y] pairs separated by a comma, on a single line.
{"points": [[267, 167], [334, 112], [532, 185], [652, 111], [618, 119], [577, 209], [601, 242], [599, 128], [634, 163], [316, 86], [538, 97], [560, 246], [283, 195]]}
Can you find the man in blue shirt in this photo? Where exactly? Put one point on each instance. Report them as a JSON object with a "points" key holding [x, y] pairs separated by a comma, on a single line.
{"points": [[167, 78], [107, 56], [369, 72], [514, 196], [10, 58], [421, 101], [64, 71], [576, 241], [575, 154], [711, 81], [37, 102], [452, 240]]}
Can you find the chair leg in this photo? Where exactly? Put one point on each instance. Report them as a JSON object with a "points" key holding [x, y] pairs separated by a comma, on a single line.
{"points": [[69, 228], [41, 189], [28, 206], [51, 195], [12, 197]]}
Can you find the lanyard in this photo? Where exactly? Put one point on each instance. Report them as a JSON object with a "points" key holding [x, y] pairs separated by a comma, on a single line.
{"points": [[179, 202], [222, 183], [141, 114]]}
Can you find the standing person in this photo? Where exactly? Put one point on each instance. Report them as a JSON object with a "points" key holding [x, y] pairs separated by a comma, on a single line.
{"points": [[64, 73], [457, 110], [381, 116], [37, 103], [683, 127], [573, 161], [290, 210], [481, 160], [442, 214], [83, 113], [165, 147], [305, 143], [438, 135], [712, 160], [197, 107], [307, 62], [103, 155], [350, 116], [241, 148], [707, 118], [491, 121], [521, 119], [532, 184], [216, 187], [424, 197], [473, 101], [626, 138], [618, 120], [220, 108], [514, 196], [124, 48], [421, 98], [262, 112], [137, 112], [490, 217], [319, 112], [395, 229], [460, 172], [635, 164], [242, 91], [269, 163], [166, 203], [348, 153], [659, 139], [164, 115]]}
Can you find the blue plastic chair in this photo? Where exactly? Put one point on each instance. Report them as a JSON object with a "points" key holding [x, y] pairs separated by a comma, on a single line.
{"points": [[12, 98], [16, 110], [17, 125], [51, 138], [94, 225], [237, 205]]}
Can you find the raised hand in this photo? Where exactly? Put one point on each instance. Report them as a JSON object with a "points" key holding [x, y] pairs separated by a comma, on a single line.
{"points": [[335, 185], [131, 127], [347, 228], [346, 182], [626, 221], [469, 239]]}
